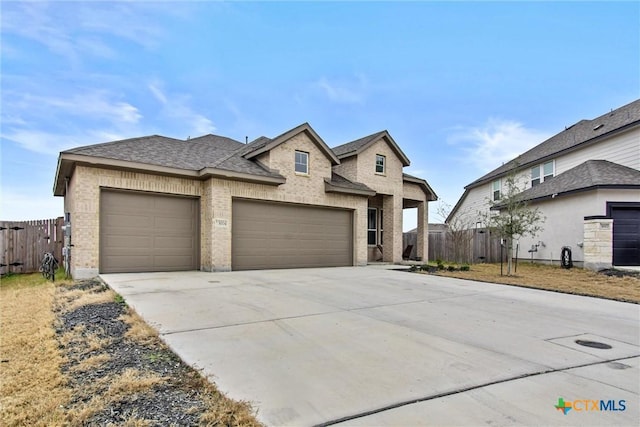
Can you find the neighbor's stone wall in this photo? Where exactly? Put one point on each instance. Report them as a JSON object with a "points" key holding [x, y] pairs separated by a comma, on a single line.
{"points": [[598, 243], [84, 206]]}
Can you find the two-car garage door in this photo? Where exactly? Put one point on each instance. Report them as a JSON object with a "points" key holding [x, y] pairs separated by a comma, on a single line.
{"points": [[147, 232], [142, 232], [280, 235]]}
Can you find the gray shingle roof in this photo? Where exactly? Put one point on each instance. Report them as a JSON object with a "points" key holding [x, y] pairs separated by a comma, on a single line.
{"points": [[208, 151], [588, 175], [354, 146], [342, 182], [580, 133]]}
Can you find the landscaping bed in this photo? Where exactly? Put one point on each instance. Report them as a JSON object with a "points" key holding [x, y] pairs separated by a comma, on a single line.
{"points": [[110, 369]]}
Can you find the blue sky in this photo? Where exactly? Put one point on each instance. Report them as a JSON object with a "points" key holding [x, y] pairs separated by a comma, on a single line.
{"points": [[461, 86]]}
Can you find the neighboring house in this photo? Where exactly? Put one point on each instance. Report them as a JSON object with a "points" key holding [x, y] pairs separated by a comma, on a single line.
{"points": [[585, 181], [215, 204]]}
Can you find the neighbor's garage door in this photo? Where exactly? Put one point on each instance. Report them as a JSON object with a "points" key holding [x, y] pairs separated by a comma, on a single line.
{"points": [[277, 235], [147, 232], [626, 236]]}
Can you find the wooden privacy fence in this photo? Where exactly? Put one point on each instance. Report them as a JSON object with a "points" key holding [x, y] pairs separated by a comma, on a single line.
{"points": [[23, 243], [469, 246]]}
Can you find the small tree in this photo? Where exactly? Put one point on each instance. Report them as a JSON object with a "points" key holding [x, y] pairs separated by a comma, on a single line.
{"points": [[459, 230], [511, 217]]}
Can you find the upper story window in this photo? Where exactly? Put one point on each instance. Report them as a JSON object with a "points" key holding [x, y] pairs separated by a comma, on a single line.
{"points": [[541, 172], [495, 188], [381, 163], [302, 162]]}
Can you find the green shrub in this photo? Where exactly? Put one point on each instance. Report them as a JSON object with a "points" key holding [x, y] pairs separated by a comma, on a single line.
{"points": [[451, 268], [465, 267]]}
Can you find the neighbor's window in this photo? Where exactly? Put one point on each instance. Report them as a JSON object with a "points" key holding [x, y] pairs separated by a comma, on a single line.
{"points": [[540, 173], [380, 163], [372, 227], [302, 162], [547, 170], [535, 176], [496, 190]]}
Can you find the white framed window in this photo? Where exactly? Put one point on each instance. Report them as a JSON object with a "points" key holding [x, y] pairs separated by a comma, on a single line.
{"points": [[540, 173], [372, 226], [495, 188], [302, 162], [381, 226], [381, 163]]}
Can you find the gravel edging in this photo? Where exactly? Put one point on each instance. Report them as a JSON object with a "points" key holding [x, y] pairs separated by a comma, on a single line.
{"points": [[173, 400]]}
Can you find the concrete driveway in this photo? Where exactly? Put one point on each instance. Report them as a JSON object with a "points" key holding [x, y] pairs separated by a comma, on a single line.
{"points": [[374, 346]]}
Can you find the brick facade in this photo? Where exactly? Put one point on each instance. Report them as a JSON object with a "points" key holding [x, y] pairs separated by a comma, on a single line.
{"points": [[216, 197]]}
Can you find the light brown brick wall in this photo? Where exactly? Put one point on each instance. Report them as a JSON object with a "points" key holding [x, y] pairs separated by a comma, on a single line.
{"points": [[84, 205], [215, 203], [304, 189]]}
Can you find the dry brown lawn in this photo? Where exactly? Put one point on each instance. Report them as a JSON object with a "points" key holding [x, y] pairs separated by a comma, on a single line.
{"points": [[33, 389], [554, 278], [35, 392]]}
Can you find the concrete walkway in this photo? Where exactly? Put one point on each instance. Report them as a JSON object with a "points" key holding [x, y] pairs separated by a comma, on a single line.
{"points": [[373, 346]]}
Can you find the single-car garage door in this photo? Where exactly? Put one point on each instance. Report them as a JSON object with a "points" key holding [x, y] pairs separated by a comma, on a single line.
{"points": [[626, 236], [147, 232], [278, 235]]}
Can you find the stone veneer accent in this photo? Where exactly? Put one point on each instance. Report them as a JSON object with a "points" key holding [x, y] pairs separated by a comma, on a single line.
{"points": [[598, 243]]}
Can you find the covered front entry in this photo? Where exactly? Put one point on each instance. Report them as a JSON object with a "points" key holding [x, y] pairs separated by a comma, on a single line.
{"points": [[626, 235], [142, 232], [269, 235]]}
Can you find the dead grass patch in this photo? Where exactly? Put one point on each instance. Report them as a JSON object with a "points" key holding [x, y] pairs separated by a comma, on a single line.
{"points": [[33, 390], [62, 360], [138, 330], [574, 281]]}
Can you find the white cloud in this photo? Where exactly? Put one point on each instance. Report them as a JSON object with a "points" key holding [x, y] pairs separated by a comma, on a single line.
{"points": [[75, 29], [40, 141], [48, 124], [346, 91], [175, 107], [496, 142]]}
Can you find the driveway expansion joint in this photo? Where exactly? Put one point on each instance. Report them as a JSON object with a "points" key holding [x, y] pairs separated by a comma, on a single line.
{"points": [[464, 390]]}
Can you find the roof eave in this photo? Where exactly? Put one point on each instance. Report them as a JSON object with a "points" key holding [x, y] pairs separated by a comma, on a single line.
{"points": [[575, 191], [432, 196], [331, 188], [67, 162]]}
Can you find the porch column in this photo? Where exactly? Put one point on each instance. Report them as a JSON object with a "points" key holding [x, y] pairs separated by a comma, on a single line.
{"points": [[392, 223], [422, 250]]}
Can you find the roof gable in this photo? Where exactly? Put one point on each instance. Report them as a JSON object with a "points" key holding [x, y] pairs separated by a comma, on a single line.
{"points": [[264, 144], [356, 147], [431, 195], [583, 132]]}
